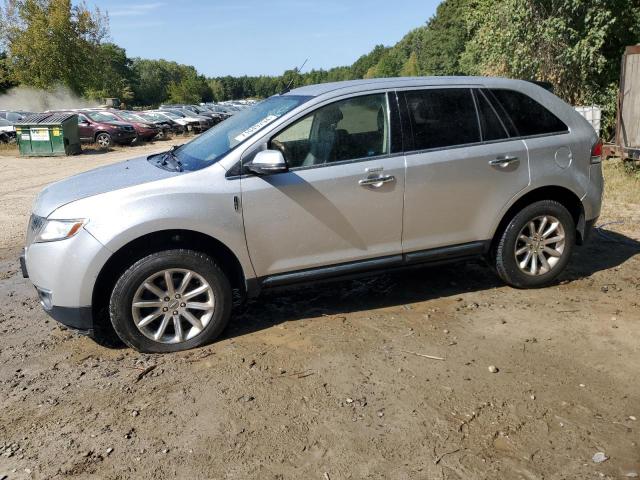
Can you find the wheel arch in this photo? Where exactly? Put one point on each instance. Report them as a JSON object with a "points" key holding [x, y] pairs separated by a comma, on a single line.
{"points": [[154, 242], [562, 195], [95, 136]]}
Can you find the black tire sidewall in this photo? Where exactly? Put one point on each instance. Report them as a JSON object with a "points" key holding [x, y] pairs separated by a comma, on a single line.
{"points": [[126, 286], [505, 261]]}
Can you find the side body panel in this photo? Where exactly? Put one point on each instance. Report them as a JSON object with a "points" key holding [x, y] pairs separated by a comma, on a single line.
{"points": [[200, 201], [322, 216], [453, 195]]}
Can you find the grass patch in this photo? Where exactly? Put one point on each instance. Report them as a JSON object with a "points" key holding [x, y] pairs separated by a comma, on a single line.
{"points": [[622, 185], [9, 149]]}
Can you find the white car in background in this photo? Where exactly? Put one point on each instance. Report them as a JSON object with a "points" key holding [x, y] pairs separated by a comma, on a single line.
{"points": [[7, 131]]}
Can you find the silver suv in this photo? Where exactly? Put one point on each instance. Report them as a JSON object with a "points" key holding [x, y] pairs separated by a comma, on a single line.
{"points": [[325, 181]]}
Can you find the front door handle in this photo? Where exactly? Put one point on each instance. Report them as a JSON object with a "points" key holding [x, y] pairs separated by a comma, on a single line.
{"points": [[376, 181], [504, 162]]}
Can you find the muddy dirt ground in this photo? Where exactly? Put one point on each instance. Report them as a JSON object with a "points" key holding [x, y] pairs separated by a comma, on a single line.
{"points": [[329, 382]]}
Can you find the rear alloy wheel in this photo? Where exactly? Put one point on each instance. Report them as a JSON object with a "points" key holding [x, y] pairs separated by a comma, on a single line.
{"points": [[171, 301], [104, 140], [536, 245], [539, 245]]}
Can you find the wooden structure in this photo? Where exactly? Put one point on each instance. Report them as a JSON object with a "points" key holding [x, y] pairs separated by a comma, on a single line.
{"points": [[627, 139]]}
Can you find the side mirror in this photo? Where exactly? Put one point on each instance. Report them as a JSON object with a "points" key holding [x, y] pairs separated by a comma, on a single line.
{"points": [[268, 162]]}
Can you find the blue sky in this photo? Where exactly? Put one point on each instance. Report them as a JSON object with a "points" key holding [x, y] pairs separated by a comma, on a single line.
{"points": [[254, 37]]}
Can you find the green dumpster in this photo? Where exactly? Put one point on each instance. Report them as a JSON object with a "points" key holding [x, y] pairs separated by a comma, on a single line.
{"points": [[48, 135]]}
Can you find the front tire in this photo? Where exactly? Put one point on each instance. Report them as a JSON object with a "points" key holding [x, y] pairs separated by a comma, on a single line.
{"points": [[104, 140], [536, 245], [171, 301]]}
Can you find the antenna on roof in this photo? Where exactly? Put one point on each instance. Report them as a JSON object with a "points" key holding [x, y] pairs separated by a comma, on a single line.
{"points": [[295, 70]]}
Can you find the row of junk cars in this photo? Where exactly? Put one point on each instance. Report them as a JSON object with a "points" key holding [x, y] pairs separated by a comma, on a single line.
{"points": [[108, 126]]}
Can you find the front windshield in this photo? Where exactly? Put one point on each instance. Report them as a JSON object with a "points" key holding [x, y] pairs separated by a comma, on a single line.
{"points": [[177, 113], [101, 116], [211, 146], [132, 117], [169, 114]]}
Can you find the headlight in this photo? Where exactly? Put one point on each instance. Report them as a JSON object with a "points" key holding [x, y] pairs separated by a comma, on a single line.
{"points": [[53, 230]]}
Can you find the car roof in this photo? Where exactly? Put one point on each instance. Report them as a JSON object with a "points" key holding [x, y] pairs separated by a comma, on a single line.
{"points": [[403, 82]]}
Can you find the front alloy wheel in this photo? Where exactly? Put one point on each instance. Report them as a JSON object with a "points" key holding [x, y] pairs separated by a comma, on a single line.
{"points": [[104, 140], [169, 301], [172, 306]]}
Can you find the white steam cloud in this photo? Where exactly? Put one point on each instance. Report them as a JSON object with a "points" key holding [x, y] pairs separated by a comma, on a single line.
{"points": [[34, 100]]}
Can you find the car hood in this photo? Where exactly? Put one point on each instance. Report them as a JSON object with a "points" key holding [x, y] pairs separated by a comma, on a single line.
{"points": [[117, 123], [94, 182]]}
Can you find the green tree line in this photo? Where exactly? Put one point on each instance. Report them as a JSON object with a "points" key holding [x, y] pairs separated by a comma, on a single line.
{"points": [[576, 45]]}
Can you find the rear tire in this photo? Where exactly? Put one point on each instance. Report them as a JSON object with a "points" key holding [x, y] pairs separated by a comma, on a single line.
{"points": [[536, 245], [171, 301]]}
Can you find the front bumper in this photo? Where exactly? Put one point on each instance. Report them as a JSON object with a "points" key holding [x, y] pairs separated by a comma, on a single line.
{"points": [[23, 264], [80, 318], [123, 136], [64, 275]]}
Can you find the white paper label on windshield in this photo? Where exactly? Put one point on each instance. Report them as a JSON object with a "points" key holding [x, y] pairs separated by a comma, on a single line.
{"points": [[251, 130], [40, 134]]}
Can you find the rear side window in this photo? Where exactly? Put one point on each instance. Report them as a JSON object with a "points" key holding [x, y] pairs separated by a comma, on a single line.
{"points": [[443, 117], [490, 124], [528, 116]]}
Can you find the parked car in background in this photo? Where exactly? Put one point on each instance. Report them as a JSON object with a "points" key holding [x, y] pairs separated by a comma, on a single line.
{"points": [[188, 124], [145, 130], [163, 127], [166, 125], [7, 131], [104, 130], [216, 110], [12, 116], [325, 181], [203, 123], [191, 110]]}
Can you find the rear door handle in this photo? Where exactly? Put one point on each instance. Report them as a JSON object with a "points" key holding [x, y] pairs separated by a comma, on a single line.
{"points": [[504, 162], [376, 181]]}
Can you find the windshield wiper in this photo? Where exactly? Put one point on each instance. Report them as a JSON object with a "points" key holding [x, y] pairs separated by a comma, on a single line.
{"points": [[172, 158]]}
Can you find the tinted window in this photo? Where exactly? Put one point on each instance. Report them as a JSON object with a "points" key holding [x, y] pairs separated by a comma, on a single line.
{"points": [[347, 130], [529, 117], [442, 118], [490, 124]]}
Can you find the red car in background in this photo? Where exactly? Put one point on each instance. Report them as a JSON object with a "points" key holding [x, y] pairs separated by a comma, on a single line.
{"points": [[103, 129], [144, 130]]}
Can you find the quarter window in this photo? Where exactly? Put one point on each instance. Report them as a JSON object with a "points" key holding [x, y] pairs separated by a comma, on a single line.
{"points": [[346, 130], [490, 124], [528, 116], [443, 117]]}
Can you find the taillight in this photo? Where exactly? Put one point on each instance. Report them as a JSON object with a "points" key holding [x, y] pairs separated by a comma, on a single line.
{"points": [[596, 152]]}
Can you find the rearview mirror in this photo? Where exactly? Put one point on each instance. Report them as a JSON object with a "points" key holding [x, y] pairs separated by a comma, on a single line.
{"points": [[268, 162]]}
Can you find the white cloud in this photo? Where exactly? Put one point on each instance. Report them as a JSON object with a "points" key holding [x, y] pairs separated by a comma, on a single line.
{"points": [[136, 10]]}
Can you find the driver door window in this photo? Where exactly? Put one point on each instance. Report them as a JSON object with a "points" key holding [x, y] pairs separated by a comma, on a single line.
{"points": [[357, 128]]}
